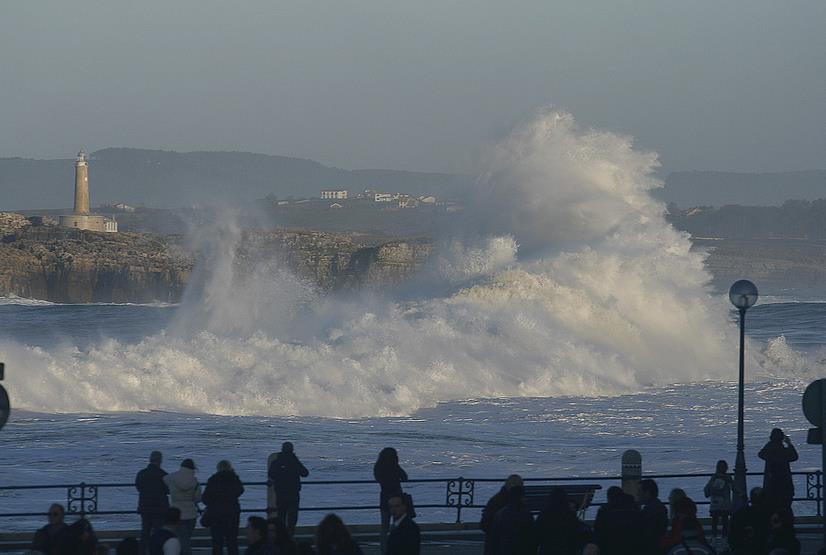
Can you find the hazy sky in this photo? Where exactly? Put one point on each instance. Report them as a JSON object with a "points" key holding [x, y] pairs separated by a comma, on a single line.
{"points": [[425, 85]]}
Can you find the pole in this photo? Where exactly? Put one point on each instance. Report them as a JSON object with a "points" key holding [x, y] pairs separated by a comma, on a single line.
{"points": [[740, 487], [823, 448]]}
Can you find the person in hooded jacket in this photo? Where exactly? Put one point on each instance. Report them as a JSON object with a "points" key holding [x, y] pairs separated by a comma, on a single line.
{"points": [[185, 494], [498, 501], [390, 476], [223, 511], [285, 475], [618, 527], [557, 530], [512, 532], [684, 513], [777, 476]]}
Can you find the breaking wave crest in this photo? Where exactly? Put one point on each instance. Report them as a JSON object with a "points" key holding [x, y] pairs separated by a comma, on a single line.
{"points": [[563, 278]]}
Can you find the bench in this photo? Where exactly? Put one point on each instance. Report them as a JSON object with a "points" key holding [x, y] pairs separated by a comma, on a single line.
{"points": [[579, 496]]}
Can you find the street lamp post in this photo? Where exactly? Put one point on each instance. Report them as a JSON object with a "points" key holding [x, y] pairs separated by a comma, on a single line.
{"points": [[743, 295]]}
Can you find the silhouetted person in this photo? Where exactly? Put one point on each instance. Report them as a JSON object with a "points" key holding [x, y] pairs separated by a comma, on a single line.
{"points": [[404, 537], [165, 540], [513, 526], [684, 513], [618, 527], [152, 498], [257, 537], [777, 476], [127, 546], [389, 475], [691, 541], [223, 511], [47, 539], [285, 474], [781, 532], [748, 529], [557, 530], [494, 504], [279, 538], [654, 517], [333, 538], [718, 492], [79, 539], [184, 494]]}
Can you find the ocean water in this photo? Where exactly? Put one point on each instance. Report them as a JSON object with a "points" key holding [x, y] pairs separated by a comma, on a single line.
{"points": [[561, 322], [678, 428]]}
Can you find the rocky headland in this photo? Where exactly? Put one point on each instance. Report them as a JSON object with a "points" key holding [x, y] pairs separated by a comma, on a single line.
{"points": [[42, 261]]}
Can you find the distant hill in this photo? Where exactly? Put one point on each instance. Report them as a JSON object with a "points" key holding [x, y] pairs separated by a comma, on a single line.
{"points": [[160, 178], [705, 188]]}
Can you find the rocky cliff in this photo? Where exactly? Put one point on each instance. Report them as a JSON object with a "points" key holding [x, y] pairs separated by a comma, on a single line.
{"points": [[73, 266]]}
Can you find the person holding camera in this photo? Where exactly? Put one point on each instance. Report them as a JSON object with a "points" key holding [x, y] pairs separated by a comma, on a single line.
{"points": [[777, 477]]}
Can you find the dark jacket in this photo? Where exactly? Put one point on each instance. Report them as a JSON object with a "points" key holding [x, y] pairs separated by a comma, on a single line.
{"points": [[78, 539], [494, 504], [513, 530], [285, 473], [748, 531], [221, 495], [783, 539], [47, 539], [351, 548], [655, 525], [777, 477], [158, 539], [404, 539], [152, 491], [618, 528], [259, 548], [560, 532], [389, 477]]}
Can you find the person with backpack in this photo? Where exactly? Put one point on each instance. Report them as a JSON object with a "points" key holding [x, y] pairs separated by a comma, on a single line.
{"points": [[718, 491], [285, 475], [691, 542]]}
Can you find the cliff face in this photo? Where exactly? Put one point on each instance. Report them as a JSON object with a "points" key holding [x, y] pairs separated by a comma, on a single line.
{"points": [[73, 266]]}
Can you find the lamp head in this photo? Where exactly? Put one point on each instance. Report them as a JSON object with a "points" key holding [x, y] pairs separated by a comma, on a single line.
{"points": [[743, 294]]}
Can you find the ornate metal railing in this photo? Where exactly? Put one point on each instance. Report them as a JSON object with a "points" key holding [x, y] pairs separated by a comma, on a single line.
{"points": [[460, 494]]}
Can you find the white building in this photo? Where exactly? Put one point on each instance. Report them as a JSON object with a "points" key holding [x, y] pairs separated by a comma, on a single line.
{"points": [[110, 225], [383, 197], [339, 194]]}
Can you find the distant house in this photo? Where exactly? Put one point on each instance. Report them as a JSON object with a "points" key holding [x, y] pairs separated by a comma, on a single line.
{"points": [[407, 201], [334, 194], [110, 225], [428, 199], [383, 197]]}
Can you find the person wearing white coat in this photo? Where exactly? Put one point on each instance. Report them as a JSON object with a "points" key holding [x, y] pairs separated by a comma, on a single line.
{"points": [[185, 494]]}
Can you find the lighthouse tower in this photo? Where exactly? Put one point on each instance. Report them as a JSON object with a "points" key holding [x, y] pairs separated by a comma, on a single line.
{"points": [[81, 217], [81, 184]]}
